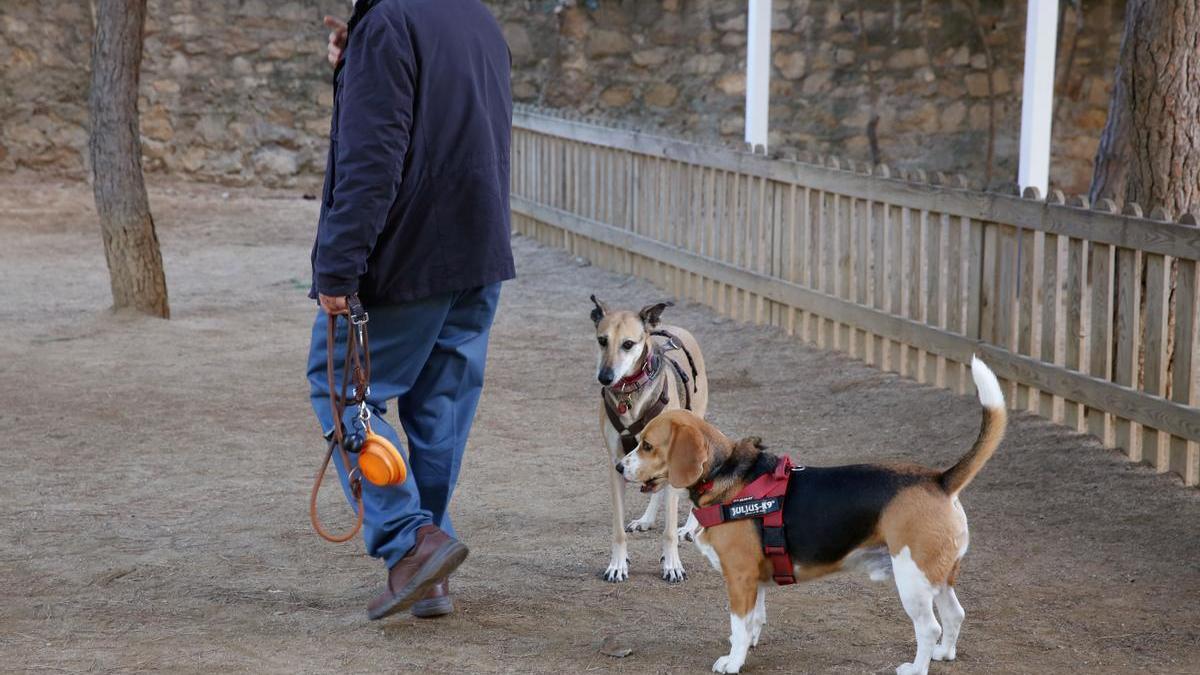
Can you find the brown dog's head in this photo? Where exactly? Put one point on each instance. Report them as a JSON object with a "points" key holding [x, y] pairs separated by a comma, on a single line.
{"points": [[675, 448], [623, 338]]}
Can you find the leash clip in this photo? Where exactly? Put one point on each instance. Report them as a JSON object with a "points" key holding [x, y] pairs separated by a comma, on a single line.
{"points": [[358, 313]]}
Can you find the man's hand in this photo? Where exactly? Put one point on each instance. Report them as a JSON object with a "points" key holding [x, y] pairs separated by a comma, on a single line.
{"points": [[337, 40], [333, 304]]}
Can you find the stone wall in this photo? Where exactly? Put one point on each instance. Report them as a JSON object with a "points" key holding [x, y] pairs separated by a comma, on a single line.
{"points": [[234, 91], [237, 91], [921, 67]]}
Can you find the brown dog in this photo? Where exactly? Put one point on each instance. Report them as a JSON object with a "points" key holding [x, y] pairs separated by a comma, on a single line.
{"points": [[644, 367], [904, 521]]}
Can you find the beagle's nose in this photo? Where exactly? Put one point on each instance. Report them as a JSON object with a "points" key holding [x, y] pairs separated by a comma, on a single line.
{"points": [[605, 376], [621, 468]]}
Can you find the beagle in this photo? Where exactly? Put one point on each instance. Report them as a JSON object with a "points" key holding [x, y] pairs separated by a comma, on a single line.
{"points": [[644, 368], [903, 521]]}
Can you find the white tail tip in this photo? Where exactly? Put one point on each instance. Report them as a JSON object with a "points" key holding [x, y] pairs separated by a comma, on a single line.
{"points": [[990, 395]]}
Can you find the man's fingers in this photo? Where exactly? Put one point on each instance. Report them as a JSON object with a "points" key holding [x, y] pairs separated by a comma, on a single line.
{"points": [[333, 304], [334, 23]]}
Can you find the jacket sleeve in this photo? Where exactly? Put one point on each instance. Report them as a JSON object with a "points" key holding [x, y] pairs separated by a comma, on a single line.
{"points": [[374, 122]]}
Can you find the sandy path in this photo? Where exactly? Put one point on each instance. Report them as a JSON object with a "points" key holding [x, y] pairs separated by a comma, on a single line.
{"points": [[155, 476]]}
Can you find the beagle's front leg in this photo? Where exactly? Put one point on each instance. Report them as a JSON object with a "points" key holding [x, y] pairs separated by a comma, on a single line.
{"points": [[743, 596]]}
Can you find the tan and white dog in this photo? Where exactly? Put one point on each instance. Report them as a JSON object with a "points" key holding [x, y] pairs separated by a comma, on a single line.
{"points": [[903, 521], [645, 368]]}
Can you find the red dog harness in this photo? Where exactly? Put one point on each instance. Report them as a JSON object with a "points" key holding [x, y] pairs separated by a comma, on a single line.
{"points": [[762, 498]]}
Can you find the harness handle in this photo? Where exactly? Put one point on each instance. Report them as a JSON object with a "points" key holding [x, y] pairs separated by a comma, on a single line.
{"points": [[358, 366]]}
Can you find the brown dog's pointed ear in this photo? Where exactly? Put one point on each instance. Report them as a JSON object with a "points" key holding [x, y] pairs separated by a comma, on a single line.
{"points": [[651, 313], [686, 456], [600, 310]]}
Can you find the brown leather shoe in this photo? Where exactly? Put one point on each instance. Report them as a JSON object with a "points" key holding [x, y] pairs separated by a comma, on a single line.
{"points": [[435, 603], [435, 555]]}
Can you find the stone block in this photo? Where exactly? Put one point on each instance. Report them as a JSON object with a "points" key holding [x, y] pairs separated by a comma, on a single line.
{"points": [[977, 84], [573, 23], [817, 83], [953, 116], [275, 160], [733, 23], [732, 84], [660, 95], [603, 43], [519, 44], [704, 64], [649, 58], [791, 65], [617, 96], [733, 39]]}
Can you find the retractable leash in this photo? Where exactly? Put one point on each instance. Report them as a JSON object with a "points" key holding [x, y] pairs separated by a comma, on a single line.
{"points": [[378, 460]]}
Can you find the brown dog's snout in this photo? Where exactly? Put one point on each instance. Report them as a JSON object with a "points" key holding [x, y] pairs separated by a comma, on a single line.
{"points": [[605, 376], [621, 468]]}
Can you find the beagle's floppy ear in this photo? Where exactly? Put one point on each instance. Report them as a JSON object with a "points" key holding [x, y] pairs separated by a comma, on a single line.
{"points": [[600, 310], [651, 313], [686, 456]]}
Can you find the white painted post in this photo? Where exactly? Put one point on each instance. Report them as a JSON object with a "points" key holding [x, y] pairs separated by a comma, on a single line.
{"points": [[1037, 100], [758, 73]]}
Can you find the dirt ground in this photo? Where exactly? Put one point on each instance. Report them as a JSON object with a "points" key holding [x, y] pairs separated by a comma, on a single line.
{"points": [[155, 477]]}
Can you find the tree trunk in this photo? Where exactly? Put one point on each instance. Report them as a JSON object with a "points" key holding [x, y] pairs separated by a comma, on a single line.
{"points": [[1150, 149], [130, 243]]}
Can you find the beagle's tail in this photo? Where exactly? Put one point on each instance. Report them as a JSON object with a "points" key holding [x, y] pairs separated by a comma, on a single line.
{"points": [[991, 431]]}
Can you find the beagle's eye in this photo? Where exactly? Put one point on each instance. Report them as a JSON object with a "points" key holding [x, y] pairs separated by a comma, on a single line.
{"points": [[603, 340], [646, 447], [627, 345]]}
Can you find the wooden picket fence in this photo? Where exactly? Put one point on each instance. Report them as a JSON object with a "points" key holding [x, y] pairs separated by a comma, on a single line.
{"points": [[1089, 316]]}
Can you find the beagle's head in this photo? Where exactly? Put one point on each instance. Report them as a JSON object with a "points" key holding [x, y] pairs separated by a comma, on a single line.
{"points": [[623, 338], [676, 448]]}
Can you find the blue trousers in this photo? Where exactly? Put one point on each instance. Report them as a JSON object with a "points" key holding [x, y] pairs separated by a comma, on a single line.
{"points": [[428, 357]]}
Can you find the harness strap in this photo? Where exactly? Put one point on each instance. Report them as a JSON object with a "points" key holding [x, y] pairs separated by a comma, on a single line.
{"points": [[763, 499], [629, 434], [675, 343]]}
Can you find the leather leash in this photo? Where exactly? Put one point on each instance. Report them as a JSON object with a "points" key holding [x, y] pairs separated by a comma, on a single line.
{"points": [[357, 366]]}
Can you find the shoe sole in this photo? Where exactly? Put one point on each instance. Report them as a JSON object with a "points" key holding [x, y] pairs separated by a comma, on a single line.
{"points": [[443, 561], [431, 608]]}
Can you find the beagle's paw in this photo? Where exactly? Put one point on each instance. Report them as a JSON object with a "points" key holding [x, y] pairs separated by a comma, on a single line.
{"points": [[672, 567], [640, 525], [727, 664], [910, 669], [685, 533], [617, 571]]}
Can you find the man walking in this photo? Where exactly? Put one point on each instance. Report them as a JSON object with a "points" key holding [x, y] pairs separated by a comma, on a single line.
{"points": [[415, 221]]}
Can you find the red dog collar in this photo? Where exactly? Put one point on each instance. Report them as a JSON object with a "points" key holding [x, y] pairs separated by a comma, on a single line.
{"points": [[639, 379]]}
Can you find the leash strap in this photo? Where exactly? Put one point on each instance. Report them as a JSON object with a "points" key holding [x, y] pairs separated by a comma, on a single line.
{"points": [[357, 365], [762, 498]]}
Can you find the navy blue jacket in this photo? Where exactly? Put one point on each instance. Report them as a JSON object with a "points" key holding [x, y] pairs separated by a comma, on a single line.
{"points": [[415, 201]]}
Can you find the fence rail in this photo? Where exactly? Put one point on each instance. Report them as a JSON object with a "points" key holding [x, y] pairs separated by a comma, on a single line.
{"points": [[1089, 316]]}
